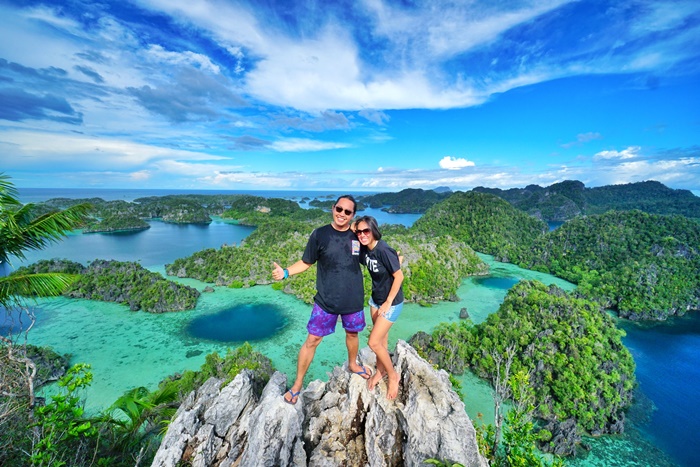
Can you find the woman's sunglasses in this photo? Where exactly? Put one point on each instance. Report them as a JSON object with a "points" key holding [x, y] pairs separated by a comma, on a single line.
{"points": [[363, 231], [338, 209]]}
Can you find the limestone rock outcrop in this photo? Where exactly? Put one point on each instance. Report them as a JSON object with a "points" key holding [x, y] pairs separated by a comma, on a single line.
{"points": [[334, 423]]}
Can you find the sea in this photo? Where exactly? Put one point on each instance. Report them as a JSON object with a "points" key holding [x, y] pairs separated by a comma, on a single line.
{"points": [[128, 349]]}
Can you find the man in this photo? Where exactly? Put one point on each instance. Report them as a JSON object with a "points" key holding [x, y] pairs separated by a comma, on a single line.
{"points": [[339, 289]]}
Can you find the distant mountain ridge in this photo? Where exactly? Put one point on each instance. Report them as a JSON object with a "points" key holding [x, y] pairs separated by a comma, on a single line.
{"points": [[569, 199], [410, 200], [558, 202]]}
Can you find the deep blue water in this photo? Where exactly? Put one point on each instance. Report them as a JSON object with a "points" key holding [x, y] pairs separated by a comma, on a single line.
{"points": [[238, 324], [161, 244], [503, 283], [668, 370], [666, 354]]}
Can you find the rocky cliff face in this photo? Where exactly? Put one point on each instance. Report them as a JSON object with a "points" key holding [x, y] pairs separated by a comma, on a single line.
{"points": [[338, 423]]}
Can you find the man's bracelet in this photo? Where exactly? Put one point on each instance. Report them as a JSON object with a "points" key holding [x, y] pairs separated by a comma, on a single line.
{"points": [[286, 274]]}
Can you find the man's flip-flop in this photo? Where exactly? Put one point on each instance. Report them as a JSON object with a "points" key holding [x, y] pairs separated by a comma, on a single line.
{"points": [[364, 373], [292, 400]]}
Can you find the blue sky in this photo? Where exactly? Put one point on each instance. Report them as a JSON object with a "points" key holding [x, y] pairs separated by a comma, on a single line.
{"points": [[365, 95]]}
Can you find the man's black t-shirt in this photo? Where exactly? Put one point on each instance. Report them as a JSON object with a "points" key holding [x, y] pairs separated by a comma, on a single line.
{"points": [[339, 287], [382, 262]]}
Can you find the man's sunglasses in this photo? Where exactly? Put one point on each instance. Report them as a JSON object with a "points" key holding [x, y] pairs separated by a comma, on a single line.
{"points": [[363, 231], [338, 209]]}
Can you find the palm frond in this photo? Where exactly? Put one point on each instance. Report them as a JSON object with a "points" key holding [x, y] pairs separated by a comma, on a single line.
{"points": [[8, 193], [20, 230], [30, 285]]}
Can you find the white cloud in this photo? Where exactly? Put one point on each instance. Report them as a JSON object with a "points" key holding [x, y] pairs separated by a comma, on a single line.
{"points": [[34, 149], [187, 58], [446, 28], [628, 153], [140, 176], [454, 163], [302, 145]]}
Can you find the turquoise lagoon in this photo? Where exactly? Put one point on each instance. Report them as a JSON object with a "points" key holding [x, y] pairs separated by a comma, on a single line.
{"points": [[128, 349]]}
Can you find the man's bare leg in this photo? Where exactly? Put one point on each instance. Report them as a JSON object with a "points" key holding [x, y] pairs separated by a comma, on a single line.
{"points": [[306, 356], [352, 341]]}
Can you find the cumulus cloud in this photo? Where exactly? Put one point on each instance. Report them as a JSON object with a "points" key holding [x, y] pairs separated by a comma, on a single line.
{"points": [[454, 163], [628, 153]]}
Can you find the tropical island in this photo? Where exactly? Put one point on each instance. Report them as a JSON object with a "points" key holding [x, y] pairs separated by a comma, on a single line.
{"points": [[580, 373], [117, 223], [127, 283]]}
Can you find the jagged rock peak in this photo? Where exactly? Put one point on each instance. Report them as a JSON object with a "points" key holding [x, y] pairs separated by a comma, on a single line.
{"points": [[338, 423]]}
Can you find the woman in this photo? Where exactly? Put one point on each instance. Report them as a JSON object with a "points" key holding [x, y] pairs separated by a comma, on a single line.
{"points": [[386, 300]]}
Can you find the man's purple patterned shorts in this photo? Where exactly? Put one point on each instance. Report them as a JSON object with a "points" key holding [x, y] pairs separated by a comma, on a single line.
{"points": [[322, 323]]}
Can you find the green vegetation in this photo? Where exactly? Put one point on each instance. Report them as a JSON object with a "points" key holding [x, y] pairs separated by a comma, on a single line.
{"points": [[434, 266], [226, 369], [518, 446], [128, 433], [645, 266], [117, 223], [569, 199], [571, 349], [127, 283], [256, 210], [180, 209], [485, 222], [410, 200], [175, 209], [62, 433]]}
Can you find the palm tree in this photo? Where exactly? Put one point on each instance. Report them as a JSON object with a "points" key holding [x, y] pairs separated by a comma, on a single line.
{"points": [[21, 230], [139, 417]]}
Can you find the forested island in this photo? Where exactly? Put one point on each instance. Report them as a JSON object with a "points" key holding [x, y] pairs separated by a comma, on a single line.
{"points": [[644, 266], [117, 223], [127, 283], [177, 209], [581, 374], [408, 201]]}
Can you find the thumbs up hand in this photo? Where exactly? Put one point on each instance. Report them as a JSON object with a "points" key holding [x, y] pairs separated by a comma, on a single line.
{"points": [[277, 272]]}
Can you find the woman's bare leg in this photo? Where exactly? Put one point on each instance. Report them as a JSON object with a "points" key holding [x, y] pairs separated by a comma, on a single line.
{"points": [[378, 340]]}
